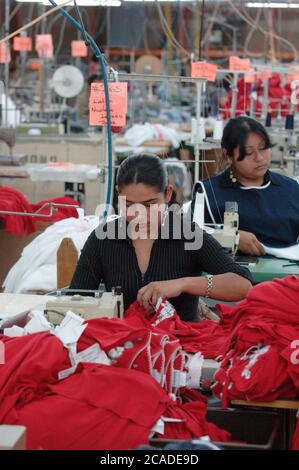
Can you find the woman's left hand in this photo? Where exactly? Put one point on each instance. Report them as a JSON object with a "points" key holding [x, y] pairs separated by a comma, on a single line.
{"points": [[149, 295]]}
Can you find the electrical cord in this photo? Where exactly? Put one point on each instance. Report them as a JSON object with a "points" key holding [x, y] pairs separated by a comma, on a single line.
{"points": [[250, 21], [100, 57], [250, 34], [168, 32], [33, 22], [102, 61], [202, 20]]}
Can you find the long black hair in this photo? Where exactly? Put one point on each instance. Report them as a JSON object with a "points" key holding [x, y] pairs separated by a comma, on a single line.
{"points": [[236, 132], [145, 168]]}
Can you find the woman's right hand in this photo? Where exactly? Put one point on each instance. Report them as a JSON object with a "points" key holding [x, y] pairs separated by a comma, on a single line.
{"points": [[249, 244]]}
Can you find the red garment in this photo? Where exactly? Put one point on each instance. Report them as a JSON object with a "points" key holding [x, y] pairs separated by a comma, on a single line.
{"points": [[279, 97], [206, 336], [61, 212], [267, 317], [31, 362], [14, 201], [255, 376], [98, 407], [193, 425], [142, 348]]}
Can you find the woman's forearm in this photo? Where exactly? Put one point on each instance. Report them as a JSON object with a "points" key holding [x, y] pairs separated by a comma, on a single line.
{"points": [[227, 287]]}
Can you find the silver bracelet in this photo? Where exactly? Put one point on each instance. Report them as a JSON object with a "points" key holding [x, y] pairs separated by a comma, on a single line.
{"points": [[210, 285]]}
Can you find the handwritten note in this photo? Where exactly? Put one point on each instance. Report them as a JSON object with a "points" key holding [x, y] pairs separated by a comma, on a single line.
{"points": [[118, 95], [204, 70], [5, 55], [44, 45], [79, 49], [22, 43], [236, 63]]}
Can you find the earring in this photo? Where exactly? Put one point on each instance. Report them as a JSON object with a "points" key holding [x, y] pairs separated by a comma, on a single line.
{"points": [[231, 175]]}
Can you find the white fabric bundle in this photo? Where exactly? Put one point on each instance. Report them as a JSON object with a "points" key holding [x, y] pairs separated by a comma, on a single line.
{"points": [[37, 267]]}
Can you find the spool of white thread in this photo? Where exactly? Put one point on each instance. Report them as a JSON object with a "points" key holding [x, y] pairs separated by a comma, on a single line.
{"points": [[218, 129]]}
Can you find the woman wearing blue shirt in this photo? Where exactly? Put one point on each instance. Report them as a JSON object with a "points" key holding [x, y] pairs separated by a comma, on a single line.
{"points": [[268, 203]]}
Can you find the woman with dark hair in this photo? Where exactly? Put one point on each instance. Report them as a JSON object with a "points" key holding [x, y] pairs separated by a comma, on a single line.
{"points": [[148, 265], [268, 202]]}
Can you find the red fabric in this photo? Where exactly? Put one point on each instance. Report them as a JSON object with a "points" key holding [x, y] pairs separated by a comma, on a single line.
{"points": [[279, 97], [150, 349], [14, 201], [193, 425], [206, 336], [30, 362], [98, 407], [263, 328], [62, 212]]}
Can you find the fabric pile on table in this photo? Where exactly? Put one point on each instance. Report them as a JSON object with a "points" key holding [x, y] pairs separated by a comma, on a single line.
{"points": [[12, 200], [115, 387]]}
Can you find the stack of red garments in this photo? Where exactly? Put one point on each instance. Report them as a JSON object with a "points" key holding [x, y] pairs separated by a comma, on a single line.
{"points": [[98, 406], [13, 201], [261, 358], [257, 341], [207, 337]]}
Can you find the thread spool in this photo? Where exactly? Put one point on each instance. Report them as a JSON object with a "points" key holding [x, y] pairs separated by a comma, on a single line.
{"points": [[268, 119], [218, 129], [289, 122], [198, 131]]}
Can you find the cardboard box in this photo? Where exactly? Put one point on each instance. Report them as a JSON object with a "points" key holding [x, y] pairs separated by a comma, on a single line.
{"points": [[11, 247]]}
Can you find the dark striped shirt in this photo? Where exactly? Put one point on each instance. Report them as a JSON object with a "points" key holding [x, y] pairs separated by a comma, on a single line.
{"points": [[114, 262]]}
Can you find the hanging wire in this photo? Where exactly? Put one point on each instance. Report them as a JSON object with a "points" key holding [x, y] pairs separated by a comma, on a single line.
{"points": [[251, 22], [202, 19]]}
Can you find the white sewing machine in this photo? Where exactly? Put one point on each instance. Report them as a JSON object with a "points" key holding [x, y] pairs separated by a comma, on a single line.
{"points": [[227, 235], [109, 305]]}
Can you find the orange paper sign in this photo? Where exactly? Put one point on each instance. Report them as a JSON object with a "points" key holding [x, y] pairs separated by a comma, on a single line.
{"points": [[5, 55], [44, 45], [79, 49], [204, 70], [22, 43], [118, 95], [249, 77], [235, 63], [264, 74]]}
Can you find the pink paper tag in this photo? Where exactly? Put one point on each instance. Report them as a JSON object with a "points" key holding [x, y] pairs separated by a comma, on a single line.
{"points": [[22, 43], [44, 45], [5, 55], [118, 95], [79, 49], [204, 70]]}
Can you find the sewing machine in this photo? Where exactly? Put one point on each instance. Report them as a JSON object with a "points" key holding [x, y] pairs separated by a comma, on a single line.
{"points": [[227, 234], [106, 304], [8, 135]]}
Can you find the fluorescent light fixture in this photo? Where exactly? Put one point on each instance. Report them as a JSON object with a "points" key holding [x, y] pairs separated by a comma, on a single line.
{"points": [[154, 1], [82, 3], [272, 5]]}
